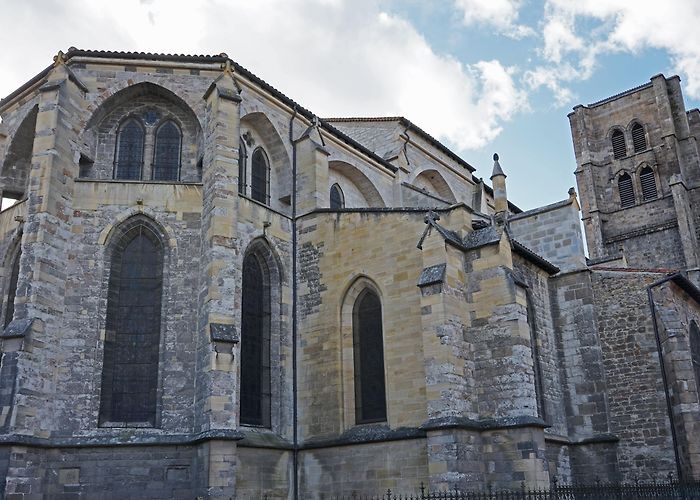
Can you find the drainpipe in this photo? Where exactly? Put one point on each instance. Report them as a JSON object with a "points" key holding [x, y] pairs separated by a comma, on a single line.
{"points": [[295, 443], [669, 406]]}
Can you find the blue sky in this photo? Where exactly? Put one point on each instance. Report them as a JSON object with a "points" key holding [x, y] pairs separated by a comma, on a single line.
{"points": [[483, 76]]}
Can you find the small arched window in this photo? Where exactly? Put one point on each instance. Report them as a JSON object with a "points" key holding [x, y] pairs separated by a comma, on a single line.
{"points": [[368, 354], [259, 177], [242, 157], [130, 139], [648, 182], [255, 343], [639, 139], [12, 290], [132, 329], [694, 339], [337, 197], [166, 154], [626, 190], [618, 144]]}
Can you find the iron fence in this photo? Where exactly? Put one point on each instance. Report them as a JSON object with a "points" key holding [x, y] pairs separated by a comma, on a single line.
{"points": [[599, 491]]}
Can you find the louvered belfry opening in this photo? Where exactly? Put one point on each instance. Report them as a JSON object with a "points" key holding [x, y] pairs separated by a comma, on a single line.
{"points": [[626, 189], [12, 290], [368, 350], [130, 370], [130, 141], [259, 175], [255, 343], [639, 139], [694, 339], [166, 156], [337, 198], [618, 145], [648, 182]]}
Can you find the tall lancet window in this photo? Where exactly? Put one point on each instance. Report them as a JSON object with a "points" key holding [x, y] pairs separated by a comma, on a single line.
{"points": [[129, 160], [132, 330], [255, 343], [368, 350], [166, 154], [12, 290], [242, 157], [260, 177], [337, 197]]}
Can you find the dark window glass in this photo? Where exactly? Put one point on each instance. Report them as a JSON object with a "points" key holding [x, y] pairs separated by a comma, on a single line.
{"points": [[618, 145], [695, 352], [129, 151], [639, 140], [255, 344], [12, 290], [259, 174], [624, 184], [648, 182], [370, 393], [166, 156], [242, 154], [337, 198], [130, 372]]}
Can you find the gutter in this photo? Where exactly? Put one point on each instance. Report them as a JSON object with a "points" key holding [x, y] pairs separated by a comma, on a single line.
{"points": [[295, 439], [669, 406]]}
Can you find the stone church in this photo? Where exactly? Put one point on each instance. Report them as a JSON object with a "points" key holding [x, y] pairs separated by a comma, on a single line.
{"points": [[208, 291]]}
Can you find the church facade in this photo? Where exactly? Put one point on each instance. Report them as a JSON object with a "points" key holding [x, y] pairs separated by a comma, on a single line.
{"points": [[208, 291]]}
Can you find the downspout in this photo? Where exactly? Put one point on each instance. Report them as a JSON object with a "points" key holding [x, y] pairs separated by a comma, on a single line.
{"points": [[669, 406], [295, 443]]}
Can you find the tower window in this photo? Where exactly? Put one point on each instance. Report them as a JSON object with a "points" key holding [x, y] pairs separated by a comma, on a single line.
{"points": [[368, 349], [130, 371], [259, 178], [255, 344], [166, 156], [337, 197], [130, 140], [648, 182], [618, 144], [639, 139], [626, 189]]}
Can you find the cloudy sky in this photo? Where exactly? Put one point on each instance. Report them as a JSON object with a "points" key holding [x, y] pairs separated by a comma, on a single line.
{"points": [[480, 75]]}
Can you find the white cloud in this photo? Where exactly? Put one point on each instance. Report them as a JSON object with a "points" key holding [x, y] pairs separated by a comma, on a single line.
{"points": [[336, 57], [500, 14], [577, 32]]}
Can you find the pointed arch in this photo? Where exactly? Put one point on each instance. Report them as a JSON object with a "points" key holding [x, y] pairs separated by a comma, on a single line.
{"points": [[639, 138], [136, 260], [242, 162], [358, 189], [617, 141], [337, 197], [131, 136], [18, 160], [12, 266], [166, 152], [364, 373], [260, 176], [625, 189], [647, 181], [435, 184], [260, 323], [694, 340]]}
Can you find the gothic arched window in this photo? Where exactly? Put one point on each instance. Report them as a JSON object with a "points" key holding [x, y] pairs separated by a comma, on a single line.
{"points": [[648, 182], [639, 140], [626, 189], [12, 290], [259, 176], [337, 197], [242, 156], [130, 140], [255, 343], [166, 153], [130, 371], [368, 354], [618, 144], [694, 339]]}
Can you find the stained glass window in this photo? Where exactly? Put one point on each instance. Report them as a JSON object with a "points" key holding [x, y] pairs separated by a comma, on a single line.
{"points": [[259, 175], [370, 392], [130, 371], [255, 344], [130, 139], [166, 156]]}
